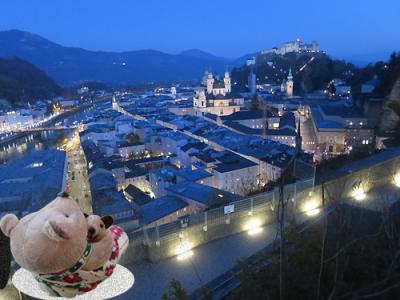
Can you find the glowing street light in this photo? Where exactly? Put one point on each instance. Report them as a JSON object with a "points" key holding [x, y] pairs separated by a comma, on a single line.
{"points": [[253, 226], [359, 193], [183, 251], [396, 179], [310, 208]]}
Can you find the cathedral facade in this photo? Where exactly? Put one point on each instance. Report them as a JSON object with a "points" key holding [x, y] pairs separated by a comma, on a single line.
{"points": [[215, 96]]}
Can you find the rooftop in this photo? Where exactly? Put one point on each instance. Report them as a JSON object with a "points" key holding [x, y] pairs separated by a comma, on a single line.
{"points": [[232, 162], [161, 207], [321, 123], [247, 115], [193, 175], [339, 109], [32, 182], [136, 195], [203, 194]]}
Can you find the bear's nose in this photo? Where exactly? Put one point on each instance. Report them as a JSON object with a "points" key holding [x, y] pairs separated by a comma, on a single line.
{"points": [[92, 231]]}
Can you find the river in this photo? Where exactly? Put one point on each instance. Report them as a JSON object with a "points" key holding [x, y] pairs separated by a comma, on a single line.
{"points": [[49, 139]]}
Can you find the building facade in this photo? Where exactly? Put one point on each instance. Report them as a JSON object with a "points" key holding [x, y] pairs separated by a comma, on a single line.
{"points": [[215, 96]]}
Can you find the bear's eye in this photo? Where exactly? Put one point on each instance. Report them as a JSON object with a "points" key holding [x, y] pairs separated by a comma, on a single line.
{"points": [[102, 225], [67, 215]]}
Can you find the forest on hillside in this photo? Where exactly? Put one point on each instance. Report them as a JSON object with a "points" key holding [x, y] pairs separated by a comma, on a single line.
{"points": [[21, 81], [315, 71]]}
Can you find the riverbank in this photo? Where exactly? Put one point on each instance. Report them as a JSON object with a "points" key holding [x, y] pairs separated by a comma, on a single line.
{"points": [[53, 121]]}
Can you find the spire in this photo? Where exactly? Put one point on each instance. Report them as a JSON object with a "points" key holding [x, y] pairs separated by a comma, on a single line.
{"points": [[290, 77], [226, 71]]}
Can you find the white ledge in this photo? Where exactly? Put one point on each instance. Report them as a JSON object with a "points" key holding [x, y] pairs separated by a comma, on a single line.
{"points": [[120, 281]]}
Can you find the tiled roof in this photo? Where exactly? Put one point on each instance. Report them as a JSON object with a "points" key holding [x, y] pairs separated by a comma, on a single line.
{"points": [[33, 181], [161, 207], [204, 194]]}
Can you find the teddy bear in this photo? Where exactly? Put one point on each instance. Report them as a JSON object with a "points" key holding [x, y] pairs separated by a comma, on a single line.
{"points": [[97, 227], [53, 244]]}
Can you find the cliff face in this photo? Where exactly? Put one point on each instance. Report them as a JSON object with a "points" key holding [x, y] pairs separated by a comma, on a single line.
{"points": [[391, 110]]}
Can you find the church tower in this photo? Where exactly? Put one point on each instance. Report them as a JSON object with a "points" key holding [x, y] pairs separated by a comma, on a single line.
{"points": [[252, 82], [283, 86], [227, 82], [210, 83], [200, 100], [289, 84]]}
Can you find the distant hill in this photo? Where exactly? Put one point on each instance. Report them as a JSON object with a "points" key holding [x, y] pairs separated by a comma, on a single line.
{"points": [[68, 65], [196, 53], [21, 81], [311, 71]]}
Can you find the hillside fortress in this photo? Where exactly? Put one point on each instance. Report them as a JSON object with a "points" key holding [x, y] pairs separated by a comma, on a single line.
{"points": [[296, 46]]}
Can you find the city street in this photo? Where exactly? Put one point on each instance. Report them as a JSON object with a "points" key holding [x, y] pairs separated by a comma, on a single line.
{"points": [[308, 136], [208, 262], [78, 180]]}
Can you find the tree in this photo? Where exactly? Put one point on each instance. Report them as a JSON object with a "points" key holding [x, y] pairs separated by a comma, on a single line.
{"points": [[133, 138], [361, 259], [21, 81], [176, 292]]}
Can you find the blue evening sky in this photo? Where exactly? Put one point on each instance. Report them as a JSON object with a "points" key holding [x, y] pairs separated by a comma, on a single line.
{"points": [[352, 29]]}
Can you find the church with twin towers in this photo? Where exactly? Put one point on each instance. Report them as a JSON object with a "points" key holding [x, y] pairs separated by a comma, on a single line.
{"points": [[215, 96]]}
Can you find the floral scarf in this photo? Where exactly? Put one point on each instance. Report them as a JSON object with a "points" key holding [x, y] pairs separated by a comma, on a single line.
{"points": [[75, 281]]}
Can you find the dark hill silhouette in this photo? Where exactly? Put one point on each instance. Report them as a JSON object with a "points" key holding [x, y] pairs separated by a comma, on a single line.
{"points": [[69, 65], [22, 81]]}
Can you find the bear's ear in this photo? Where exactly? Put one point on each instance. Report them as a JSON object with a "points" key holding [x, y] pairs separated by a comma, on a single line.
{"points": [[8, 223], [107, 220]]}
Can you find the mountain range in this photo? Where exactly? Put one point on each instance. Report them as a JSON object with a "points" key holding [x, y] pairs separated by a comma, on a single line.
{"points": [[70, 65]]}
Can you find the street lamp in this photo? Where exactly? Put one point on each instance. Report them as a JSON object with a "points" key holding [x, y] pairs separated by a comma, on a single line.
{"points": [[310, 208], [253, 226], [184, 251], [396, 179], [359, 193]]}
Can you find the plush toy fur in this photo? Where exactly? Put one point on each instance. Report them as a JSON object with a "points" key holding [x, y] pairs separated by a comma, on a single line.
{"points": [[101, 239], [53, 244], [49, 240], [97, 227]]}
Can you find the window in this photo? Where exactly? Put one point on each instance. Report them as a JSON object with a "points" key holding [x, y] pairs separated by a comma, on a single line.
{"points": [[35, 165]]}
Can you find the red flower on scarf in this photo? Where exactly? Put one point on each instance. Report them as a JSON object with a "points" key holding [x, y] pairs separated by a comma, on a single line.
{"points": [[110, 270], [115, 251], [91, 286], [117, 231], [72, 278]]}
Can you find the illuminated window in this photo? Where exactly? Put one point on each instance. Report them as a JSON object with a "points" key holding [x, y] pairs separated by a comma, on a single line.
{"points": [[35, 165]]}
